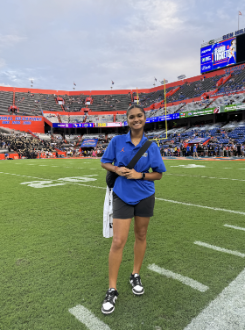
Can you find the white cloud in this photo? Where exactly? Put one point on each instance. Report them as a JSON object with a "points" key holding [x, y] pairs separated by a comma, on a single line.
{"points": [[10, 40], [92, 42], [2, 63], [5, 85]]}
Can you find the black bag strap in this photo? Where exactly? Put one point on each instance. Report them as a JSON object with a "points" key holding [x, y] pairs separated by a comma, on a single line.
{"points": [[140, 153]]}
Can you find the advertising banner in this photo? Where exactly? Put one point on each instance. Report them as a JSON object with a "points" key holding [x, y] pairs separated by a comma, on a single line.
{"points": [[88, 143], [201, 112], [218, 55], [234, 107], [172, 116], [80, 125], [116, 124], [23, 123]]}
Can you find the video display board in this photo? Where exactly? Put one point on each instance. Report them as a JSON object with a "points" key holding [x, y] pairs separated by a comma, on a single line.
{"points": [[218, 55]]}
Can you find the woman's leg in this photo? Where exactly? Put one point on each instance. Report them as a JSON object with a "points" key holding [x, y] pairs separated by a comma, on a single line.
{"points": [[120, 235], [140, 230]]}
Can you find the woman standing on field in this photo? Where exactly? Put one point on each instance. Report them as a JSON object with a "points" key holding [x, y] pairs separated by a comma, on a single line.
{"points": [[133, 196]]}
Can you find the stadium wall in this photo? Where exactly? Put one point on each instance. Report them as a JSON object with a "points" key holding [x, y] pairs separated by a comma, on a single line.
{"points": [[12, 155]]}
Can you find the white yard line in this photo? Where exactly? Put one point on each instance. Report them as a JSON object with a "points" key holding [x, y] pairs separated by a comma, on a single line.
{"points": [[226, 312], [86, 317], [235, 227], [203, 176], [217, 248], [23, 176], [201, 206], [86, 185], [183, 279]]}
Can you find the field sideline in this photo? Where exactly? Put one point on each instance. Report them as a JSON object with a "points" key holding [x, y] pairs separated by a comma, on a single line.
{"points": [[53, 255]]}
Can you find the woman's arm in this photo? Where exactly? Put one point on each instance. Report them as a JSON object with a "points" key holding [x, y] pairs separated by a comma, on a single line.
{"points": [[109, 167], [153, 176], [132, 174]]}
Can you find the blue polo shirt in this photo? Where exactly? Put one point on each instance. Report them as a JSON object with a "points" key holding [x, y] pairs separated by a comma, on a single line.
{"points": [[120, 151]]}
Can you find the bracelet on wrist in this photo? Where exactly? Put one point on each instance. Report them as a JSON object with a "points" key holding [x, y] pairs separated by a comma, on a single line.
{"points": [[115, 168], [143, 176]]}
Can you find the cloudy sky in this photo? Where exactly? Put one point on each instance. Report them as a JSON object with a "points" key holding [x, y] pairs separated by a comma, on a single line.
{"points": [[91, 43]]}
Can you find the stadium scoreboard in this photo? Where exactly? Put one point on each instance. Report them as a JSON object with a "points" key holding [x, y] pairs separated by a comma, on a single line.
{"points": [[222, 54]]}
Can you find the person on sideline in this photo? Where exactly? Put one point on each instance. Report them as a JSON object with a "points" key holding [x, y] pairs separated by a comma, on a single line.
{"points": [[195, 154], [133, 196]]}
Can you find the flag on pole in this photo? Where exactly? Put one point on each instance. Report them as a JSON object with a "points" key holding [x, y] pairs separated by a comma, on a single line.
{"points": [[239, 13], [74, 84], [155, 79], [112, 82]]}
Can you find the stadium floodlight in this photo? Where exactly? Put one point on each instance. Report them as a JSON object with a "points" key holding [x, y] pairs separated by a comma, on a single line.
{"points": [[31, 81], [164, 81], [182, 76]]}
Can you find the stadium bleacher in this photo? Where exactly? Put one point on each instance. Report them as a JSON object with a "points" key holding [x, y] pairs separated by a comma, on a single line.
{"points": [[99, 119], [235, 83], [6, 100], [106, 102], [31, 104]]}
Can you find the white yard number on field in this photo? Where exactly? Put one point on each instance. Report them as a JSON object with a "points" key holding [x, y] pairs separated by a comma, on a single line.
{"points": [[77, 179], [59, 182]]}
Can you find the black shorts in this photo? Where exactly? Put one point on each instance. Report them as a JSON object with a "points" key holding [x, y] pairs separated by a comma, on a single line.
{"points": [[144, 208]]}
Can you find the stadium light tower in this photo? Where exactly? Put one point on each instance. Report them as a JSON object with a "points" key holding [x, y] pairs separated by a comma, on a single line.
{"points": [[31, 81]]}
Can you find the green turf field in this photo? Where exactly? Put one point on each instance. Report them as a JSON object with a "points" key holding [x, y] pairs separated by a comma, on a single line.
{"points": [[53, 255]]}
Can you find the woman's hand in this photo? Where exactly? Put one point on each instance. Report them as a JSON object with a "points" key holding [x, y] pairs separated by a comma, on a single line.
{"points": [[122, 171], [132, 174]]}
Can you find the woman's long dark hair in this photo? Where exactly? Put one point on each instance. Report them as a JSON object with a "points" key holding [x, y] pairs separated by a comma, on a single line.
{"points": [[135, 106]]}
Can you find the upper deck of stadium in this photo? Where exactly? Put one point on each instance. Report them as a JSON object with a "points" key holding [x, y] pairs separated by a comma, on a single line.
{"points": [[189, 94]]}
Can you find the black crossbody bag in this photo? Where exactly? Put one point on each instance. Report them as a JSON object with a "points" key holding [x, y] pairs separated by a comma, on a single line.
{"points": [[111, 176]]}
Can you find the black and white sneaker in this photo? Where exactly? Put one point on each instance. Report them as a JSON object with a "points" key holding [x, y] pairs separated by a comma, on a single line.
{"points": [[108, 305], [137, 286]]}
